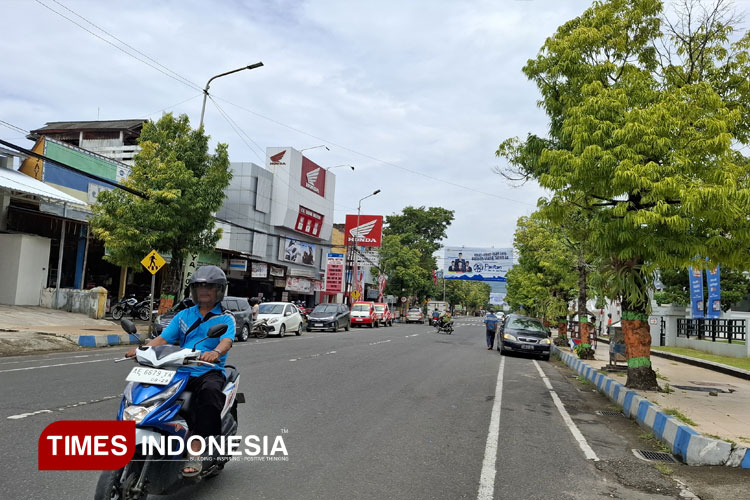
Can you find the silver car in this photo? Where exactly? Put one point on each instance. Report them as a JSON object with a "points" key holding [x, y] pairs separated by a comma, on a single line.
{"points": [[414, 316]]}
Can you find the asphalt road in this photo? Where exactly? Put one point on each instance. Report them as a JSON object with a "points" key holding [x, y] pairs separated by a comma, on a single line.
{"points": [[389, 413]]}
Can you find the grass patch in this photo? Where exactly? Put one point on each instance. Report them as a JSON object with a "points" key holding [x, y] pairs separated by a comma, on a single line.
{"points": [[721, 439], [583, 380], [659, 375], [667, 389], [742, 363], [655, 443], [677, 414], [664, 469]]}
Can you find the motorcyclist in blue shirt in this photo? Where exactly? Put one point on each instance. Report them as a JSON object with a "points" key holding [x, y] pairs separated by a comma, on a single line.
{"points": [[189, 327]]}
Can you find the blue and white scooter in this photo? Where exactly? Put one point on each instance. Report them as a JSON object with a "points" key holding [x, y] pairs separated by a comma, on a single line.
{"points": [[156, 400]]}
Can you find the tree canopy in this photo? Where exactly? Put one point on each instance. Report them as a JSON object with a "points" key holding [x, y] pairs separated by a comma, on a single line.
{"points": [[184, 185]]}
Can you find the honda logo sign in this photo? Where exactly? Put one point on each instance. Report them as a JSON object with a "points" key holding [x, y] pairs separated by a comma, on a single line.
{"points": [[366, 232]]}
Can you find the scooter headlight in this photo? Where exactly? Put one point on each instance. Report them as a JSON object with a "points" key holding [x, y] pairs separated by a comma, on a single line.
{"points": [[136, 413]]}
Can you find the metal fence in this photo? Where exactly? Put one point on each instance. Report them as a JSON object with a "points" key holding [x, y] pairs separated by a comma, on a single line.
{"points": [[711, 329]]}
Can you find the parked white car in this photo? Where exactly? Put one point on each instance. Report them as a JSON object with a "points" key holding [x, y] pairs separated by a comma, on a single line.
{"points": [[282, 317]]}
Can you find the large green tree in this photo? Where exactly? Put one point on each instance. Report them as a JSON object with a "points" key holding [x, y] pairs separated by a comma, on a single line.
{"points": [[184, 185], [543, 280], [418, 234], [647, 117]]}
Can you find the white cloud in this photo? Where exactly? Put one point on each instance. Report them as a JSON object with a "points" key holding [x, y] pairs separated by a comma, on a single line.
{"points": [[431, 87]]}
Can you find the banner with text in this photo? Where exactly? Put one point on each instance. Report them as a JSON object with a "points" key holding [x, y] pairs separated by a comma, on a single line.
{"points": [[696, 292], [479, 264], [713, 280]]}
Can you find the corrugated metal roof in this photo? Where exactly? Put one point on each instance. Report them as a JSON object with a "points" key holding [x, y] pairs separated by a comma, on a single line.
{"points": [[16, 181], [90, 125]]}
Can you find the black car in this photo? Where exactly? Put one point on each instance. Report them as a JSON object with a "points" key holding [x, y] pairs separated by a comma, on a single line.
{"points": [[238, 306], [328, 317], [525, 335]]}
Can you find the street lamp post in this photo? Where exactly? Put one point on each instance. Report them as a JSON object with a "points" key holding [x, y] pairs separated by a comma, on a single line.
{"points": [[355, 270], [205, 91]]}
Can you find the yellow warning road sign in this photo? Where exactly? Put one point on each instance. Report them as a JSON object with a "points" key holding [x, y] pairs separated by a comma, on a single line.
{"points": [[355, 294], [153, 262]]}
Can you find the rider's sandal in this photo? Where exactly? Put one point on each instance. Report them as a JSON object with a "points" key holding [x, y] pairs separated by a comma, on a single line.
{"points": [[196, 465]]}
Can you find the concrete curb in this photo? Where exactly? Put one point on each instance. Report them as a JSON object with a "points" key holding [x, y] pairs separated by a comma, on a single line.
{"points": [[692, 447], [103, 340]]}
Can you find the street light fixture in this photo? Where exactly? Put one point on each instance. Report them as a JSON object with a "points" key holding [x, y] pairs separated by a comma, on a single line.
{"points": [[344, 165], [205, 91], [315, 147], [355, 271]]}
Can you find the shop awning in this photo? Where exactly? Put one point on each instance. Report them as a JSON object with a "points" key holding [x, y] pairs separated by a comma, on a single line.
{"points": [[17, 182]]}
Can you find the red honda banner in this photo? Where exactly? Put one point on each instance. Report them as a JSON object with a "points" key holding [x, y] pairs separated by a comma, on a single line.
{"points": [[434, 277], [309, 221], [86, 445], [313, 177], [367, 232]]}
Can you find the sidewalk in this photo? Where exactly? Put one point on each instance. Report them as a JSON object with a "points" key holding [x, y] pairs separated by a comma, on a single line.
{"points": [[26, 329], [716, 405]]}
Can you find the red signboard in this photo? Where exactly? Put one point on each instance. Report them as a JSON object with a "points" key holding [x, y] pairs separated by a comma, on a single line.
{"points": [[313, 177], [309, 222], [335, 276], [366, 232]]}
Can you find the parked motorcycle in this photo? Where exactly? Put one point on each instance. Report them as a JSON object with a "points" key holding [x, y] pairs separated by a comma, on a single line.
{"points": [[131, 306], [155, 398], [260, 328]]}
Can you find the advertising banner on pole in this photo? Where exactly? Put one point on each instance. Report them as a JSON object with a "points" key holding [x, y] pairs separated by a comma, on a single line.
{"points": [[696, 292], [335, 273], [713, 280], [477, 264]]}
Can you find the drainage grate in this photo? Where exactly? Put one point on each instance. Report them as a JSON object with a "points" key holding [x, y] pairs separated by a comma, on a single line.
{"points": [[610, 413], [702, 389], [655, 456]]}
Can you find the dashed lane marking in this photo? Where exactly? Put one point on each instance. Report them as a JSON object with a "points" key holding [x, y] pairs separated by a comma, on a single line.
{"points": [[62, 408], [487, 479]]}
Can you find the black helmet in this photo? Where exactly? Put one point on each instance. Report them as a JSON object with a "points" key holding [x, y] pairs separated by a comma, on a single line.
{"points": [[208, 274]]}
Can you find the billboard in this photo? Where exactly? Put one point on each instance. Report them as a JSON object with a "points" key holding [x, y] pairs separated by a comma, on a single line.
{"points": [[478, 264], [297, 252], [364, 230], [335, 273]]}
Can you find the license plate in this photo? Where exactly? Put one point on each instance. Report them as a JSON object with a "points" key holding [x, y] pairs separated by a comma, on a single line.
{"points": [[357, 319], [318, 324], [525, 346], [153, 376]]}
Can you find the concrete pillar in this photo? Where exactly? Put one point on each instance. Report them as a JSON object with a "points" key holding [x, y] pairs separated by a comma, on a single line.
{"points": [[670, 314], [99, 294]]}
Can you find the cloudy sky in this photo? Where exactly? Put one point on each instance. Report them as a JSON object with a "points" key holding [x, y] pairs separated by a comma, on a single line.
{"points": [[416, 95]]}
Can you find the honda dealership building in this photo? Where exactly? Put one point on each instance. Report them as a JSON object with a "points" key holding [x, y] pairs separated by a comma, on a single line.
{"points": [[286, 216]]}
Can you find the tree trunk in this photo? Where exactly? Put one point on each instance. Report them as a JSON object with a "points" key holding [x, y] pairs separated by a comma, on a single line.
{"points": [[638, 350], [171, 284], [562, 329], [584, 350]]}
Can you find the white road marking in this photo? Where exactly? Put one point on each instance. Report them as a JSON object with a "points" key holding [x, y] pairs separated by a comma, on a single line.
{"points": [[587, 451], [59, 364], [311, 356], [24, 415], [62, 408], [416, 334], [487, 479], [381, 342]]}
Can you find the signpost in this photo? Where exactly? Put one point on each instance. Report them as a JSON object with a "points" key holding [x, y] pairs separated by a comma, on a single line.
{"points": [[152, 262]]}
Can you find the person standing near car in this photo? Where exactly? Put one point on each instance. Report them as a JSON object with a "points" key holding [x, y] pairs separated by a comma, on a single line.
{"points": [[490, 322], [255, 301]]}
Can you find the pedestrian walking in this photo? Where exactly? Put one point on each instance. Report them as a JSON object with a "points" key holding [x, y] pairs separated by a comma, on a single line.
{"points": [[490, 322]]}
